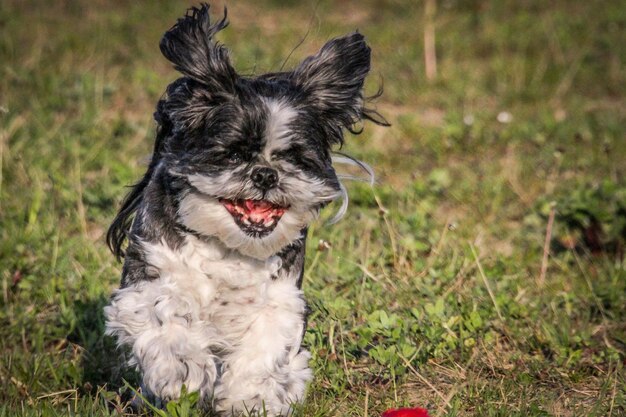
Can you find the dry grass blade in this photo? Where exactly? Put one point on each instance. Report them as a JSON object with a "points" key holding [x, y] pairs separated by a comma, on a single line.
{"points": [[546, 246], [425, 381], [486, 282]]}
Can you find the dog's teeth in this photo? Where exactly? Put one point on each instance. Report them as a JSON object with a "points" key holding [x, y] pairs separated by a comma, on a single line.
{"points": [[270, 223]]}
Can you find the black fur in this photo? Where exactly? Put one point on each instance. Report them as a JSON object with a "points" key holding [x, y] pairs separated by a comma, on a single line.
{"points": [[241, 166], [211, 121], [190, 47]]}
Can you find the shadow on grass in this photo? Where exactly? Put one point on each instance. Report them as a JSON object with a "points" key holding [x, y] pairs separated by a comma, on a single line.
{"points": [[103, 363]]}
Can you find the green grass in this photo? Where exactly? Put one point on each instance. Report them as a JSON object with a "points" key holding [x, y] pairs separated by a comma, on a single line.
{"points": [[431, 293]]}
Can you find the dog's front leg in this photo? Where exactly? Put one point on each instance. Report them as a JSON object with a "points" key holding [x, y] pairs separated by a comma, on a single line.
{"points": [[170, 344], [265, 369]]}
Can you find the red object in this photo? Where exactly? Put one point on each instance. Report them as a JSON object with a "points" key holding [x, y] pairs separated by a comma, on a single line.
{"points": [[406, 412]]}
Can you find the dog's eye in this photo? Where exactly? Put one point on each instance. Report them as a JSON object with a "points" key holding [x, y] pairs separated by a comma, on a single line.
{"points": [[235, 157]]}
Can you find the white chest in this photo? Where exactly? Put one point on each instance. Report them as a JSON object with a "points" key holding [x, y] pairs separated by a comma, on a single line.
{"points": [[211, 315], [207, 270]]}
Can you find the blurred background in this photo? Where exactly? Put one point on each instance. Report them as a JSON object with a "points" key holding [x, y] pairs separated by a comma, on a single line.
{"points": [[483, 275]]}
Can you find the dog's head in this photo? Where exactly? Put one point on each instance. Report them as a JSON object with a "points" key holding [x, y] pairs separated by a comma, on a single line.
{"points": [[254, 153]]}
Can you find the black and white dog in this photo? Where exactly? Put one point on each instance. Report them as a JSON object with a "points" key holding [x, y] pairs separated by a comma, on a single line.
{"points": [[210, 294]]}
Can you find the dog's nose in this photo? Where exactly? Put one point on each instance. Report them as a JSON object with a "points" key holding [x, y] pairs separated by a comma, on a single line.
{"points": [[264, 178]]}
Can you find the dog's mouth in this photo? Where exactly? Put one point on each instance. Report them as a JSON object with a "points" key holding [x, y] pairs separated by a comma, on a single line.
{"points": [[255, 217]]}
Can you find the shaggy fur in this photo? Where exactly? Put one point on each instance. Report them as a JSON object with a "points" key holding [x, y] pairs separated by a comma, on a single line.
{"points": [[213, 236]]}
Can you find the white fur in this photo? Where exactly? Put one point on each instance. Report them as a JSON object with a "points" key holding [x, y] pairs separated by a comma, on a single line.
{"points": [[208, 216], [277, 131], [218, 322], [202, 212], [302, 190]]}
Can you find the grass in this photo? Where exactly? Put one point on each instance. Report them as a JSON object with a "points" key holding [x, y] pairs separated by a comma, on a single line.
{"points": [[434, 291]]}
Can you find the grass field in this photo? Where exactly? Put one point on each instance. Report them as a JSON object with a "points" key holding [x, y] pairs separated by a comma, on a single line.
{"points": [[483, 275]]}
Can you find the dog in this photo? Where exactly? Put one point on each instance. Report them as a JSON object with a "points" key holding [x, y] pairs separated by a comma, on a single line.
{"points": [[213, 236]]}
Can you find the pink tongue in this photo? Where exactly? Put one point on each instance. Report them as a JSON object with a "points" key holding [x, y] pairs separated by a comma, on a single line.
{"points": [[258, 210], [257, 206]]}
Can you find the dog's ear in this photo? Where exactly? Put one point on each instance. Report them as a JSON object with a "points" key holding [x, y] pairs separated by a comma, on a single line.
{"points": [[189, 45], [332, 80]]}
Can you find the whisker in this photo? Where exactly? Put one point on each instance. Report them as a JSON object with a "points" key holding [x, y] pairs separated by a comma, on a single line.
{"points": [[344, 205], [342, 158], [352, 178]]}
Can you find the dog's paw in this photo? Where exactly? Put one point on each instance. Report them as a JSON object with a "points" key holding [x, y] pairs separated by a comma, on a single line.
{"points": [[165, 380], [165, 377], [272, 394]]}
